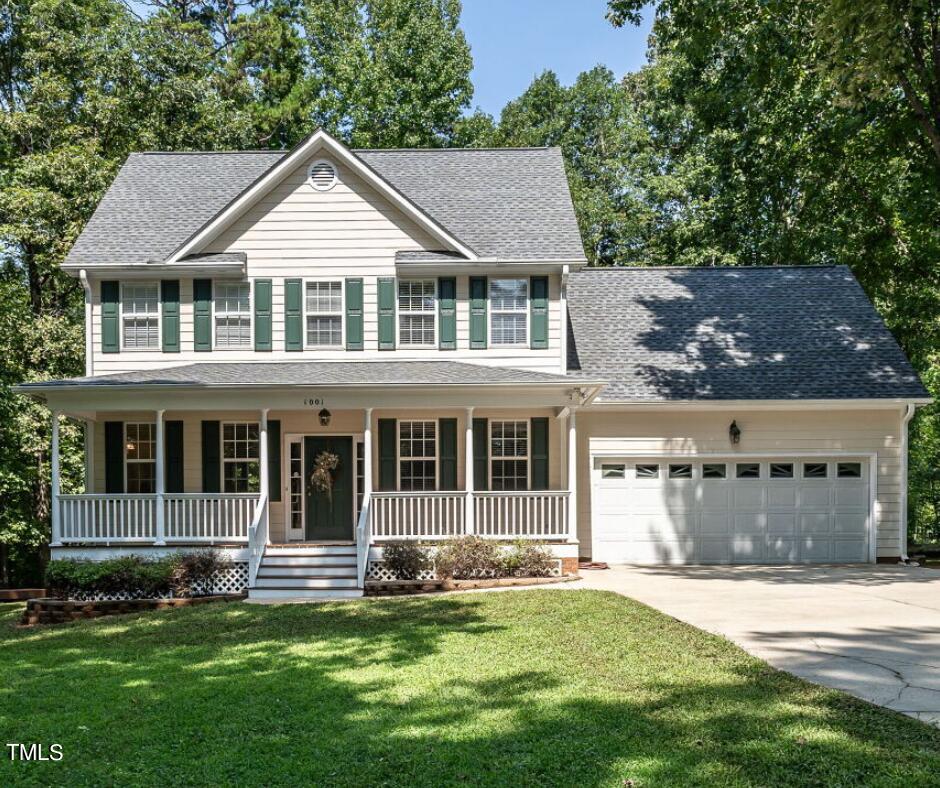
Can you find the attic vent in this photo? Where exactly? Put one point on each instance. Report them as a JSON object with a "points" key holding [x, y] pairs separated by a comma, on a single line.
{"points": [[322, 175]]}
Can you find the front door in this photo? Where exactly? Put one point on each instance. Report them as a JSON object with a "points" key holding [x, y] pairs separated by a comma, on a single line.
{"points": [[328, 514]]}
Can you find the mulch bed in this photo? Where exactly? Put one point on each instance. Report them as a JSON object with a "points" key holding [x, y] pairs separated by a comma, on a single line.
{"points": [[20, 594], [60, 611], [403, 587]]}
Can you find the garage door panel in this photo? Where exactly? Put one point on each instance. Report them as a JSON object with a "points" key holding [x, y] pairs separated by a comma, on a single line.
{"points": [[759, 520]]}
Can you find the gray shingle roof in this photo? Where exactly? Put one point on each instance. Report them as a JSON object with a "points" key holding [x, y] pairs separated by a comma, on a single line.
{"points": [[329, 373], [733, 333], [505, 203]]}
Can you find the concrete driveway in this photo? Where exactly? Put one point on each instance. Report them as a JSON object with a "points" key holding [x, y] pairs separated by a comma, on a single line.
{"points": [[873, 631]]}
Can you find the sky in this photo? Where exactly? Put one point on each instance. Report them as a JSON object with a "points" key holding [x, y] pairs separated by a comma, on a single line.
{"points": [[513, 41]]}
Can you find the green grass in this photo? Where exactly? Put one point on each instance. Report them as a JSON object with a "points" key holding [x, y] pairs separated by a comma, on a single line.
{"points": [[521, 688]]}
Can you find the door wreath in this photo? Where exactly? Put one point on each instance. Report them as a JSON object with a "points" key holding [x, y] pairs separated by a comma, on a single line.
{"points": [[322, 477]]}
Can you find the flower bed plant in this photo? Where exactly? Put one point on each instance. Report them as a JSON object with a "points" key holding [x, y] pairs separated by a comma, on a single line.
{"points": [[136, 577], [469, 558]]}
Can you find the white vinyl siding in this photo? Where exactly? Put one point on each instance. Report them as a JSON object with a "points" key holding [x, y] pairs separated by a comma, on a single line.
{"points": [[324, 313], [417, 312], [509, 310], [140, 315], [232, 305]]}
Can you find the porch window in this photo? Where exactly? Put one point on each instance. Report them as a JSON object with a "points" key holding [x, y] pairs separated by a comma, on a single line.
{"points": [[509, 306], [417, 307], [232, 314], [509, 455], [140, 314], [241, 467], [324, 314], [140, 466], [417, 453]]}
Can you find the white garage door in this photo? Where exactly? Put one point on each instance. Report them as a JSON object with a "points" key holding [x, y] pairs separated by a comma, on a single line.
{"points": [[748, 511]]}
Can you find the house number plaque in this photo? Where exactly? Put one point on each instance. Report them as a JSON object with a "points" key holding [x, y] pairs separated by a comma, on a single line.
{"points": [[314, 402]]}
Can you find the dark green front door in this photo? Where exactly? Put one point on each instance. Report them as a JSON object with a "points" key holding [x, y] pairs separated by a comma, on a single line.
{"points": [[329, 515]]}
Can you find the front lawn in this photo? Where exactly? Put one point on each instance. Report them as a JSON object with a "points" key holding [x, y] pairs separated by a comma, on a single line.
{"points": [[532, 688]]}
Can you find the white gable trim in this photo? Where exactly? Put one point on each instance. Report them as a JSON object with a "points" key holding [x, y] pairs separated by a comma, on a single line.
{"points": [[286, 165]]}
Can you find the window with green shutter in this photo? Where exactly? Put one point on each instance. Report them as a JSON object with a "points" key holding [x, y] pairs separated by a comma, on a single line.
{"points": [[293, 315], [447, 453], [447, 307], [538, 312], [114, 457], [110, 317], [388, 455], [170, 313], [211, 457], [354, 329], [539, 453], [386, 314], [477, 312], [263, 297], [481, 461], [173, 430], [202, 314]]}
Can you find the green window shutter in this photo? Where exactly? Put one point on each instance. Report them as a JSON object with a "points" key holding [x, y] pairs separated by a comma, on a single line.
{"points": [[114, 457], [110, 317], [388, 455], [447, 441], [540, 454], [477, 312], [173, 430], [170, 315], [354, 314], [274, 460], [538, 312], [386, 314], [447, 304], [481, 450], [262, 314], [202, 314], [211, 461], [293, 315]]}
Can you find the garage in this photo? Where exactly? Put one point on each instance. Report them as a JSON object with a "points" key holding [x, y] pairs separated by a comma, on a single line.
{"points": [[737, 510]]}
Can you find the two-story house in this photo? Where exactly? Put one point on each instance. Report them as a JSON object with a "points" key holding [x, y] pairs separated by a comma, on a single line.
{"points": [[301, 356]]}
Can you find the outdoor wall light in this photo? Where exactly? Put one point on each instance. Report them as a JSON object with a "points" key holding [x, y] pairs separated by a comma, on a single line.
{"points": [[325, 417], [734, 433]]}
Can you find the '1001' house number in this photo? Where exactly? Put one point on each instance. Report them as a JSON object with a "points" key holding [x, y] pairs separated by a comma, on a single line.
{"points": [[314, 402]]}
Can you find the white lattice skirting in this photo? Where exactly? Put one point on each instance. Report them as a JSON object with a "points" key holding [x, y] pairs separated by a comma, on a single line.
{"points": [[378, 571], [233, 580]]}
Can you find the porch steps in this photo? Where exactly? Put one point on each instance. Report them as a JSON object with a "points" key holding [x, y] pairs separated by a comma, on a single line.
{"points": [[307, 572]]}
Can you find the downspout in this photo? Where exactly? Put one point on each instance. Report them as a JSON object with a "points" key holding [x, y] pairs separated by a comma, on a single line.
{"points": [[905, 421], [565, 269], [89, 339]]}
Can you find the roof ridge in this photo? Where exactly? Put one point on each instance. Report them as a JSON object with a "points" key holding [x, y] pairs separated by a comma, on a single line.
{"points": [[519, 148], [788, 266], [206, 152]]}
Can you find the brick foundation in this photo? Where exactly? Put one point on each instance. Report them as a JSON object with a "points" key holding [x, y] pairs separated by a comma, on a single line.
{"points": [[569, 566], [58, 611]]}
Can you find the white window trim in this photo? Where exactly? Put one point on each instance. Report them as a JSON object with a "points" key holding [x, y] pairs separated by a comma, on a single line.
{"points": [[435, 311], [128, 461], [341, 314], [251, 315], [159, 346], [436, 458], [524, 312], [528, 448], [223, 460]]}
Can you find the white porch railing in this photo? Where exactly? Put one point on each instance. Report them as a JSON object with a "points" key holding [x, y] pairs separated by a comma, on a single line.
{"points": [[108, 518], [522, 515], [188, 517], [497, 515], [199, 517], [258, 537], [422, 515], [363, 538]]}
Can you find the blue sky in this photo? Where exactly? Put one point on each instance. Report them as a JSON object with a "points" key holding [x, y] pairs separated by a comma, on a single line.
{"points": [[513, 41]]}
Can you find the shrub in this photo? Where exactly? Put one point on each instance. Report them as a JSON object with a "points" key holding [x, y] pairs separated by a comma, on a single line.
{"points": [[406, 559], [136, 577], [467, 558], [529, 559]]}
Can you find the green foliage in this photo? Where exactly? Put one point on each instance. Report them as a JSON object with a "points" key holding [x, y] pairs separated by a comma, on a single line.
{"points": [[528, 559], [182, 574], [468, 557], [406, 560]]}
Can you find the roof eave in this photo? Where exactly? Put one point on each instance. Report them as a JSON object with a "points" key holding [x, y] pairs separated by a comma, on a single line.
{"points": [[866, 403]]}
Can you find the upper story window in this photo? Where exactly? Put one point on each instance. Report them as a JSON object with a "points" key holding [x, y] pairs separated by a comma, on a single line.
{"points": [[417, 310], [324, 305], [232, 314], [509, 455], [241, 466], [140, 305], [140, 466], [509, 309]]}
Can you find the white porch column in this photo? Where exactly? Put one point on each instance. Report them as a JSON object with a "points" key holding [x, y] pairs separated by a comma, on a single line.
{"points": [[263, 482], [54, 482], [89, 456], [367, 453], [469, 511], [573, 476], [160, 482]]}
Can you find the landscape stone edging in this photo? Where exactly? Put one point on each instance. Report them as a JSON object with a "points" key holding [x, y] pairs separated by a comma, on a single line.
{"points": [[46, 610], [399, 587]]}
